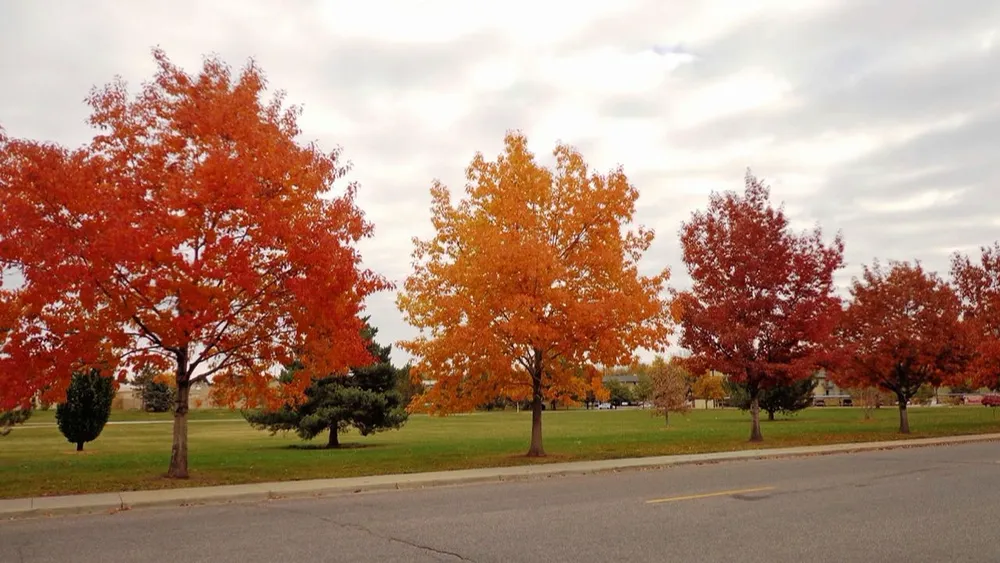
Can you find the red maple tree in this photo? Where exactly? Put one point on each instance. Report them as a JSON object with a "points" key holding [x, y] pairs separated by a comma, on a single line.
{"points": [[762, 307], [901, 330], [193, 233], [978, 287]]}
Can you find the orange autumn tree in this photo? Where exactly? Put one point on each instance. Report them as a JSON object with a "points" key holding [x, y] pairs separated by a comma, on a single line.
{"points": [[529, 283], [978, 287], [762, 307], [901, 330], [669, 388], [709, 386], [192, 234]]}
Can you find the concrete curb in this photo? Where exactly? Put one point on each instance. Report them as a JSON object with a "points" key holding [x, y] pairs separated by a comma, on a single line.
{"points": [[259, 492]]}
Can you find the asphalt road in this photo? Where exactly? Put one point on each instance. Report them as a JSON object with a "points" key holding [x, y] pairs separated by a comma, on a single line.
{"points": [[935, 504]]}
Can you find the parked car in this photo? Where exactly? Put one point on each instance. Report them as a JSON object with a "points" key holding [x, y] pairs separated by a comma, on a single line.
{"points": [[604, 406], [991, 400]]}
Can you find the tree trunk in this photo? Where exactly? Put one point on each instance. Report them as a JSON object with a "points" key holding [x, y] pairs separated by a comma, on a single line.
{"points": [[770, 415], [666, 417], [334, 441], [904, 420], [536, 449], [755, 434], [179, 451], [79, 446]]}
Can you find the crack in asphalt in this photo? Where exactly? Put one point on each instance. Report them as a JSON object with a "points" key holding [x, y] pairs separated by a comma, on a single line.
{"points": [[360, 528]]}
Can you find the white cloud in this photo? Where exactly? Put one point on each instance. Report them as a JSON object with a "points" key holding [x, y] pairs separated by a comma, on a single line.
{"points": [[925, 200], [861, 116], [742, 91]]}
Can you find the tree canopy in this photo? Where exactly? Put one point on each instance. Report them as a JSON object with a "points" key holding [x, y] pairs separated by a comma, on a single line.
{"points": [[901, 330], [530, 282], [193, 233], [762, 306], [670, 388], [978, 287]]}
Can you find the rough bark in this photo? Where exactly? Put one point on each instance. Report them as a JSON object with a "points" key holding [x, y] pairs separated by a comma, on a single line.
{"points": [[334, 441], [755, 434], [904, 420], [179, 451], [536, 449]]}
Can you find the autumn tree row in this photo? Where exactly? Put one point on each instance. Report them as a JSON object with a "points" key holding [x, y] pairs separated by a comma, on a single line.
{"points": [[763, 309], [196, 233], [532, 282]]}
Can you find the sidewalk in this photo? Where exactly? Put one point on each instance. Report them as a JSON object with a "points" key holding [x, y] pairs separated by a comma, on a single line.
{"points": [[256, 492]]}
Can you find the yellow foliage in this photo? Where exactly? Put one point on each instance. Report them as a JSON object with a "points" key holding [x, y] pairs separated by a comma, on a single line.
{"points": [[167, 378], [530, 281], [709, 386]]}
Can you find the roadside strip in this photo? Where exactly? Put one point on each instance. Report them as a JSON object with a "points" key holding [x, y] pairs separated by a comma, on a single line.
{"points": [[257, 492]]}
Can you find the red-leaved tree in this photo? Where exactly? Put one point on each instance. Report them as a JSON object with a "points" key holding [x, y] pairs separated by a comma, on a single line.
{"points": [[193, 234], [978, 287], [901, 330], [761, 308]]}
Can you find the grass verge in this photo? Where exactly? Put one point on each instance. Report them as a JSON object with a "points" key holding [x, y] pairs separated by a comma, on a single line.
{"points": [[37, 460]]}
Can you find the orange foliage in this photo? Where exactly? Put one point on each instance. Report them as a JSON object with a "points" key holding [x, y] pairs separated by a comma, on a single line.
{"points": [[709, 386], [529, 282], [670, 388], [193, 233], [169, 379]]}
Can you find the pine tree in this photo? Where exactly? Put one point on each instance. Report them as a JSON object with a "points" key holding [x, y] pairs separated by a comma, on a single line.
{"points": [[785, 399], [366, 399], [8, 419], [87, 408], [155, 394]]}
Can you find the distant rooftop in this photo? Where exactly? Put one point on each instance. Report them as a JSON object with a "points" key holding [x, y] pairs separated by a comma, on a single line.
{"points": [[622, 378]]}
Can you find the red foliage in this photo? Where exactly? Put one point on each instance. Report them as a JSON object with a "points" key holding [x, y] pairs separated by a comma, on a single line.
{"points": [[192, 233], [762, 305], [978, 286], [991, 400], [902, 329]]}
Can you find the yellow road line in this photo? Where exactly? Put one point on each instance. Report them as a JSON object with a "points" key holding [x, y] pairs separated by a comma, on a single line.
{"points": [[707, 495]]}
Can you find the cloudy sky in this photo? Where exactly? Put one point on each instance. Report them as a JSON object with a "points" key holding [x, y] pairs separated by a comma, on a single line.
{"points": [[875, 118]]}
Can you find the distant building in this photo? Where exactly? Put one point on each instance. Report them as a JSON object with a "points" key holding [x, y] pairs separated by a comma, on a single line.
{"points": [[829, 393], [129, 397], [625, 379]]}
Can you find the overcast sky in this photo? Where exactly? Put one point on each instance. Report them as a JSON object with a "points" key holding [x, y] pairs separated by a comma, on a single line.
{"points": [[880, 119]]}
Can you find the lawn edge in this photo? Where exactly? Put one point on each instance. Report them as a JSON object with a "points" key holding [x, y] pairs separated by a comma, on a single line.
{"points": [[113, 503]]}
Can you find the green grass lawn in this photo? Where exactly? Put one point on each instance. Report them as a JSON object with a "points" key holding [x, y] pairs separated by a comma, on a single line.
{"points": [[37, 460]]}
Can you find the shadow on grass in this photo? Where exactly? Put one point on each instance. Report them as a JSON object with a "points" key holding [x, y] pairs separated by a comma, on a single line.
{"points": [[323, 447]]}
